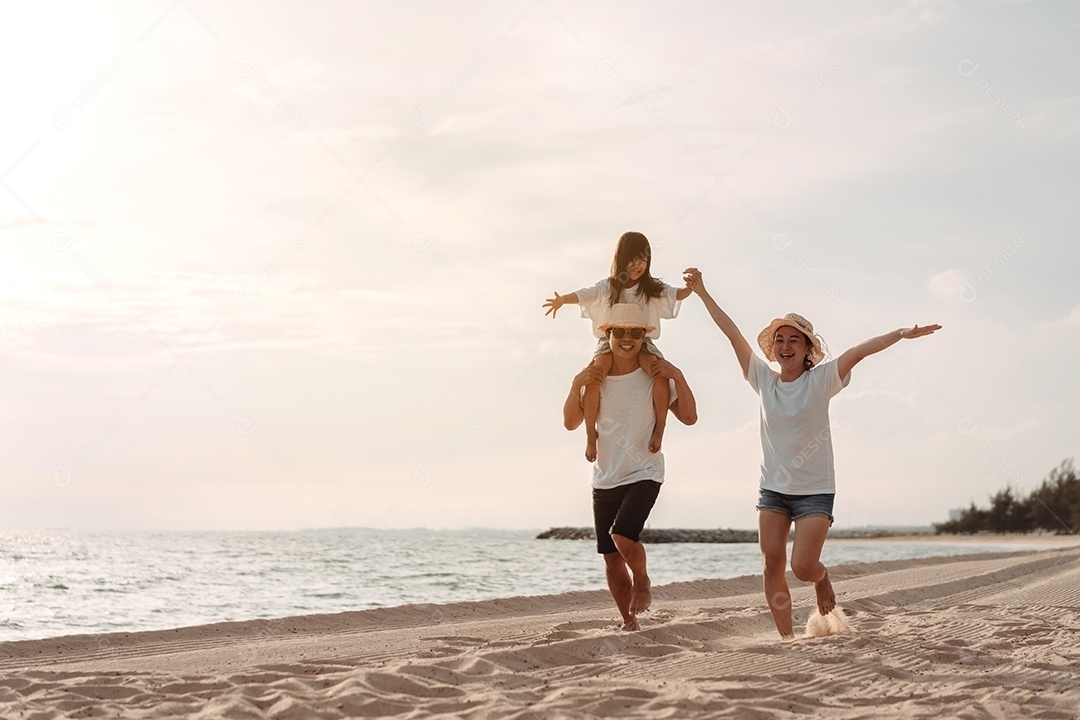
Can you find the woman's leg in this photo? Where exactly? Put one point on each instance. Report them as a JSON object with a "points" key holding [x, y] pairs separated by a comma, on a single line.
{"points": [[591, 405], [773, 530], [810, 533]]}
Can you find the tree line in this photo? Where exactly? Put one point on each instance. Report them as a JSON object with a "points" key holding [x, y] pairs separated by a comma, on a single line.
{"points": [[1054, 506]]}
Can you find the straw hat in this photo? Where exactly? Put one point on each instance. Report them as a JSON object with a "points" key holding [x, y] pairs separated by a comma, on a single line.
{"points": [[626, 315], [816, 353]]}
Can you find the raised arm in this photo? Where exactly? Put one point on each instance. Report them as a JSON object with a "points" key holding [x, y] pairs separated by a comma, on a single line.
{"points": [[738, 343], [686, 290], [573, 411], [851, 357], [684, 407], [553, 304]]}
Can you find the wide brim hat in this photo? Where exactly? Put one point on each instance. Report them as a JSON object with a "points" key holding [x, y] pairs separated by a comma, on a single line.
{"points": [[626, 315], [765, 338]]}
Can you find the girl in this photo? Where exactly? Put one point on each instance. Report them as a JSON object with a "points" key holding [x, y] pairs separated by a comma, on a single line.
{"points": [[797, 480], [630, 282]]}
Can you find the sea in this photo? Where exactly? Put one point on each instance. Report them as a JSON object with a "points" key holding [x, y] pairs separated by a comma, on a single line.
{"points": [[55, 583]]}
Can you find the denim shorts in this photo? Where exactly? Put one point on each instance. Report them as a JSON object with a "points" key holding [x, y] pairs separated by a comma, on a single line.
{"points": [[797, 507]]}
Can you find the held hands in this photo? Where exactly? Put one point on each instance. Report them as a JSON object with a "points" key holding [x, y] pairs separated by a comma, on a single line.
{"points": [[553, 305], [917, 332], [692, 278]]}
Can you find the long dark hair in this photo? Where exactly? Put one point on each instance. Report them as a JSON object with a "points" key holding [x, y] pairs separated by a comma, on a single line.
{"points": [[632, 245]]}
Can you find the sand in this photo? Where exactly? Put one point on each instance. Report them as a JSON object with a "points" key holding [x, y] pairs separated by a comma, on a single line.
{"points": [[976, 636]]}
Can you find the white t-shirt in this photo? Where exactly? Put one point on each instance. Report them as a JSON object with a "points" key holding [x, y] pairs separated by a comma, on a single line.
{"points": [[796, 440], [624, 426], [594, 305]]}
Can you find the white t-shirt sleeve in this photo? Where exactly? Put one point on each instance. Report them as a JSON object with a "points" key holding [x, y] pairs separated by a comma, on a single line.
{"points": [[667, 304], [827, 378], [757, 373], [655, 309], [593, 302]]}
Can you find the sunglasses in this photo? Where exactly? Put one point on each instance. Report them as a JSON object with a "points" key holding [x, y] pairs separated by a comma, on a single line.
{"points": [[635, 333]]}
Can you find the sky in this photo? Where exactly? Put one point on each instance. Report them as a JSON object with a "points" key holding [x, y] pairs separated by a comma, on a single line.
{"points": [[281, 266]]}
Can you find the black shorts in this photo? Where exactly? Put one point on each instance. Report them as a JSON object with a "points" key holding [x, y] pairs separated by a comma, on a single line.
{"points": [[622, 510]]}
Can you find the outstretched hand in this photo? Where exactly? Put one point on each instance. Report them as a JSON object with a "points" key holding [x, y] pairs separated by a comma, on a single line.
{"points": [[916, 332], [553, 305]]}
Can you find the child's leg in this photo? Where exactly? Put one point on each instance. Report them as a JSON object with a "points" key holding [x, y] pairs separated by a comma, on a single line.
{"points": [[591, 406], [661, 399]]}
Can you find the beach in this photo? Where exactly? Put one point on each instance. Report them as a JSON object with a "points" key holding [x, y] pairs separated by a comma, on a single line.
{"points": [[972, 636]]}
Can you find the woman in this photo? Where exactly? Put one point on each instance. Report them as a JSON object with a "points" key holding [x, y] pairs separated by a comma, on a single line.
{"points": [[797, 478]]}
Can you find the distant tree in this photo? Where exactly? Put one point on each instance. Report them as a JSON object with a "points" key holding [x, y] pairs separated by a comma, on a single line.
{"points": [[1053, 506], [971, 521], [1002, 509]]}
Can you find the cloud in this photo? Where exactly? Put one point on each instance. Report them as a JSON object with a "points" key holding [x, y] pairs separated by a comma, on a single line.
{"points": [[951, 285], [366, 284], [890, 396]]}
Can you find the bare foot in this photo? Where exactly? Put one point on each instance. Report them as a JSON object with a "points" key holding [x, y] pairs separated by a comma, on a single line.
{"points": [[826, 598], [631, 625], [641, 596], [656, 439], [590, 449]]}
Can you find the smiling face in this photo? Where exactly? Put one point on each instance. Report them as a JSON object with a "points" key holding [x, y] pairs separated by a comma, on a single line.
{"points": [[790, 348], [626, 347], [636, 268], [632, 249]]}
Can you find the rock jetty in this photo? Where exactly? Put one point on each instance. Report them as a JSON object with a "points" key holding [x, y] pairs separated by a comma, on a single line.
{"points": [[649, 535], [721, 535]]}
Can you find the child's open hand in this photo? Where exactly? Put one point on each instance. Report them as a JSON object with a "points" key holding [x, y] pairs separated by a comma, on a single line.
{"points": [[553, 305]]}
